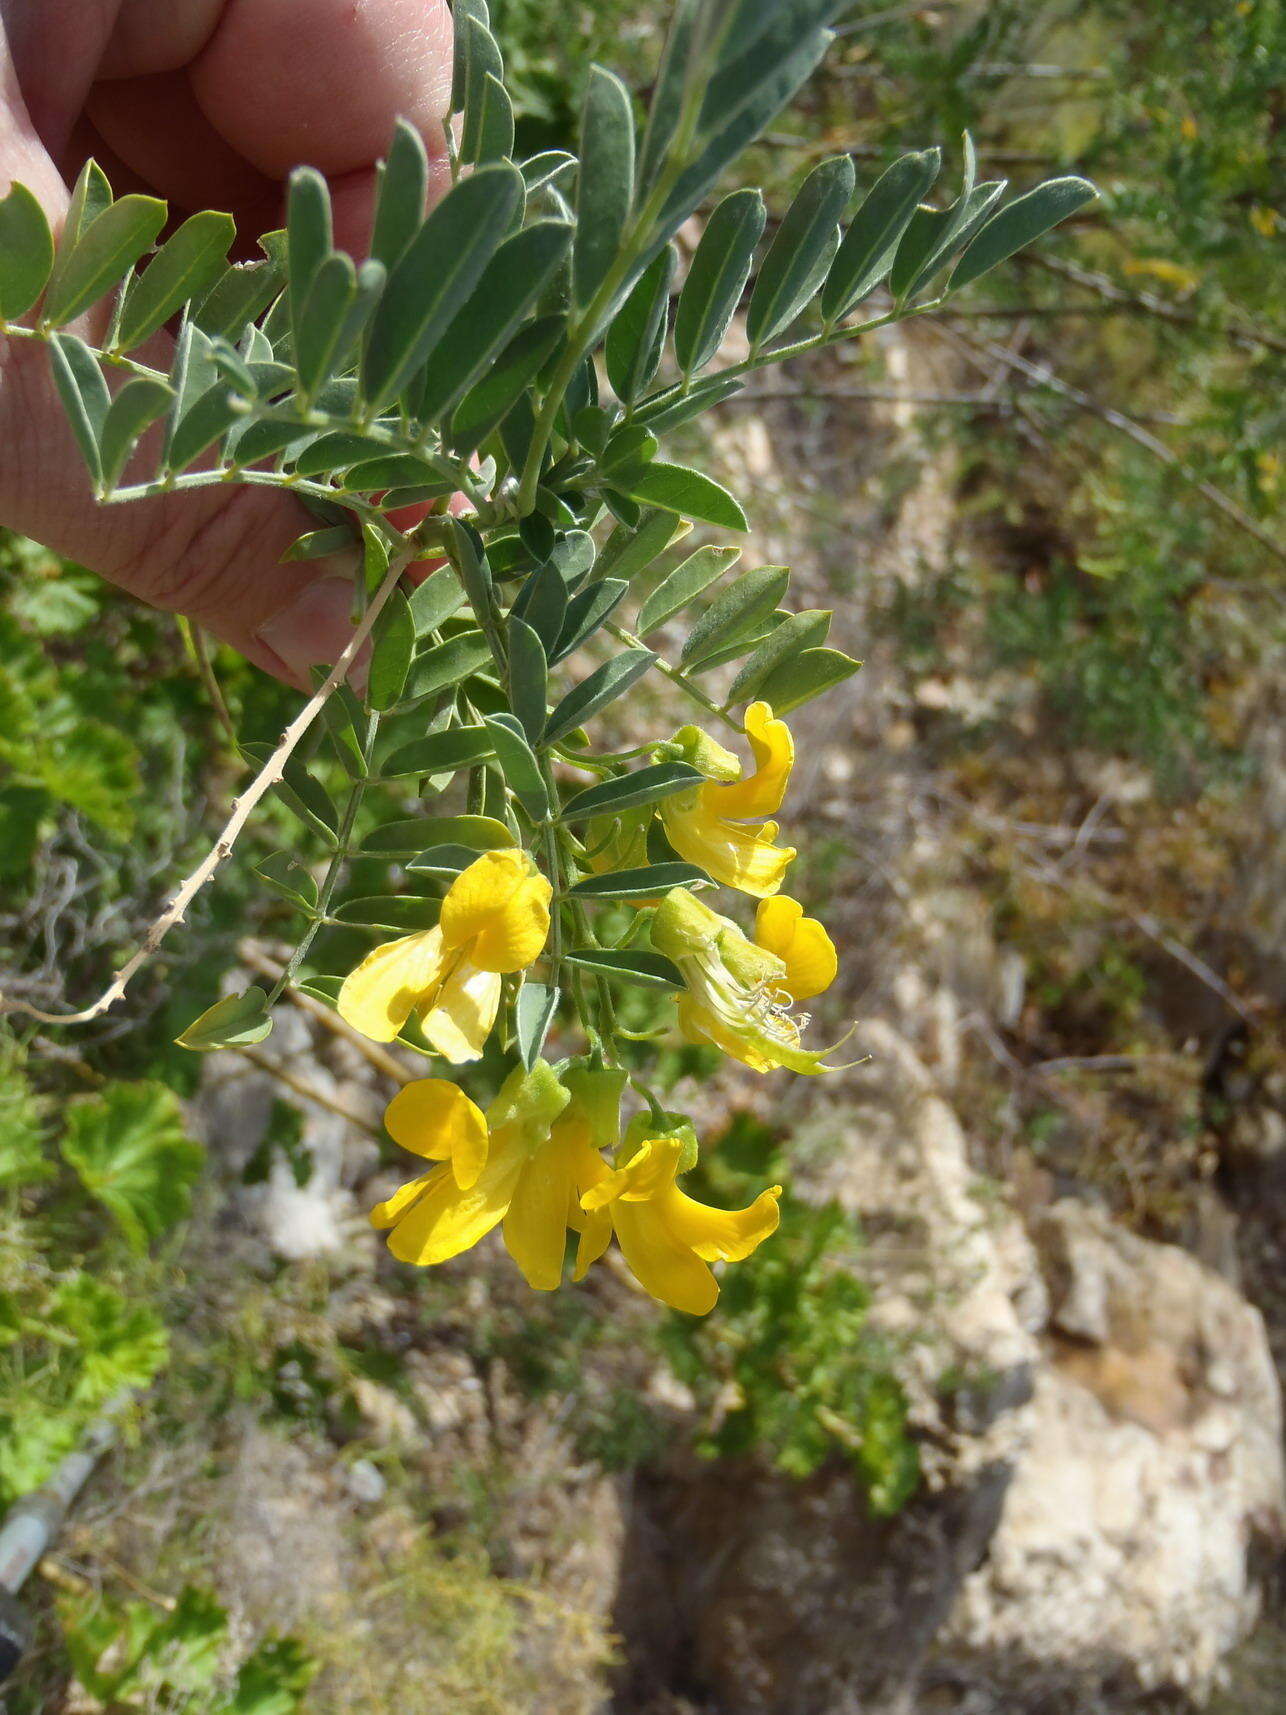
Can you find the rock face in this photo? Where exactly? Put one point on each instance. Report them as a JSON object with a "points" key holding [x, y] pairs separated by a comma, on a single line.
{"points": [[1102, 1433], [1152, 1465]]}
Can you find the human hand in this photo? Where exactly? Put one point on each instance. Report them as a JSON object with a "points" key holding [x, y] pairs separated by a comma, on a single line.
{"points": [[210, 104]]}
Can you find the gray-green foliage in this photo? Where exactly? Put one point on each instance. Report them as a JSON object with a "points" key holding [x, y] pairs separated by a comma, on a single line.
{"points": [[515, 345]]}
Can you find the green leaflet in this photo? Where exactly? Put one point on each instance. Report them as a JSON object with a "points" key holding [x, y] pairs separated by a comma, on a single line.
{"points": [[684, 584], [440, 753], [804, 677], [645, 970], [510, 284], [488, 403], [84, 395], [101, 257], [403, 190], [676, 488], [534, 1013], [658, 878], [801, 254], [446, 664], [136, 406], [308, 236], [605, 184], [435, 275], [602, 687], [1020, 223], [528, 678], [391, 653], [870, 244], [405, 839], [237, 1021], [519, 766], [736, 610], [185, 266], [636, 338], [797, 632], [717, 278], [644, 786], [26, 252]]}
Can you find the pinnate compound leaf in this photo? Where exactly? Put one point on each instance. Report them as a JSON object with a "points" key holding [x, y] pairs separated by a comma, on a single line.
{"points": [[26, 252], [101, 257], [736, 611], [870, 244], [678, 488], [605, 186], [717, 278], [804, 677], [684, 584], [130, 1150], [185, 266], [435, 275], [237, 1021], [627, 791], [801, 254], [1020, 223]]}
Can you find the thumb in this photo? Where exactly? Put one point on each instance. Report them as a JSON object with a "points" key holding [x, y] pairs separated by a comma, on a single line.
{"points": [[213, 555]]}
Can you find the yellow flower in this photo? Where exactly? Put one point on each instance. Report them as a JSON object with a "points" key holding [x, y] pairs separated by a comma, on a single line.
{"points": [[741, 993], [495, 918], [720, 825], [667, 1237], [526, 1163]]}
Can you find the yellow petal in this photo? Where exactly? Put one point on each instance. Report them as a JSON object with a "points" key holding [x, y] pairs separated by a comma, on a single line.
{"points": [[645, 1175], [670, 1270], [445, 1220], [741, 857], [435, 1118], [460, 1020], [801, 943], [713, 1233], [386, 988], [761, 793], [596, 1235], [391, 1210], [536, 1225], [499, 908]]}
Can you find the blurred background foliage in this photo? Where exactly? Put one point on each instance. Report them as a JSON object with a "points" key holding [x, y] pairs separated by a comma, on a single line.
{"points": [[1119, 454]]}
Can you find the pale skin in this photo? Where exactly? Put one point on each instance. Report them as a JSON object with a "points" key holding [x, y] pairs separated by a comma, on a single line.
{"points": [[209, 104]]}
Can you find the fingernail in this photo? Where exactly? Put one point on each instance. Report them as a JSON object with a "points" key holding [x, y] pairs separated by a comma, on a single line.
{"points": [[314, 629]]}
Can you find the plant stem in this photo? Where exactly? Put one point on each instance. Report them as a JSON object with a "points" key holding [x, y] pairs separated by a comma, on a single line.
{"points": [[676, 676]]}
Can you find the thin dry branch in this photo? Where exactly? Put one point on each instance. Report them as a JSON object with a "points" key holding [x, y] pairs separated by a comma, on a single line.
{"points": [[258, 960], [242, 809]]}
